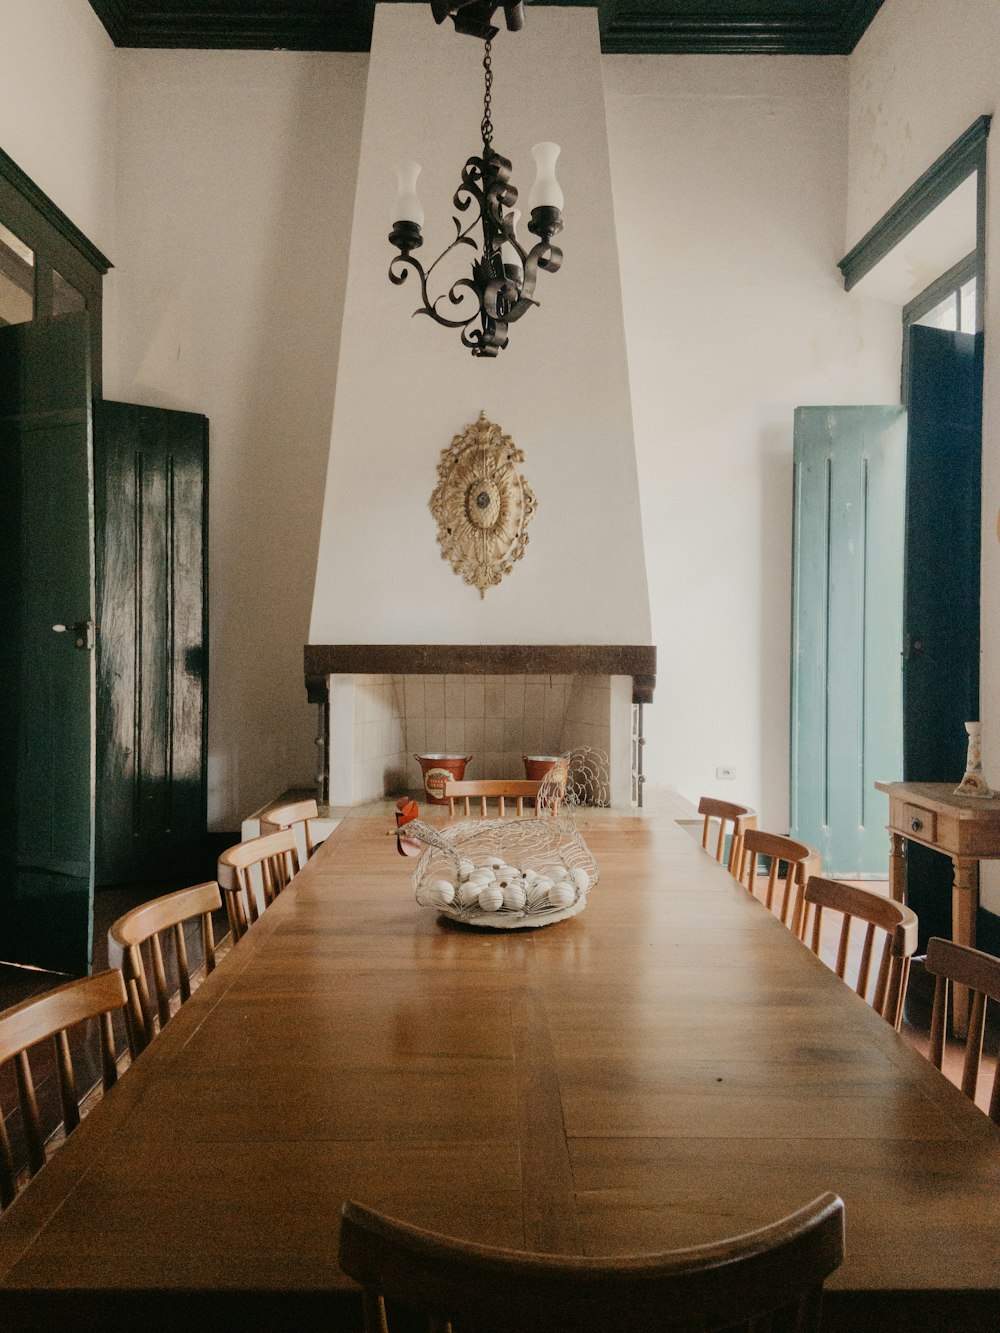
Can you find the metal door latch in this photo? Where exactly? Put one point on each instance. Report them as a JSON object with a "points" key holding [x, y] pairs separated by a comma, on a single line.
{"points": [[82, 632]]}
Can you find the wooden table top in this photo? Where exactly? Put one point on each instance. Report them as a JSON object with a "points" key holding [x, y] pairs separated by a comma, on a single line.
{"points": [[669, 1067], [942, 796]]}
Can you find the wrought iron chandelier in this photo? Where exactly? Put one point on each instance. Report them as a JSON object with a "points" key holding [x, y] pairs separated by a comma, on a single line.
{"points": [[501, 288]]}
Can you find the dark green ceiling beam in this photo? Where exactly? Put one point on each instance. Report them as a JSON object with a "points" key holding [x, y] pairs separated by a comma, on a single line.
{"points": [[776, 27]]}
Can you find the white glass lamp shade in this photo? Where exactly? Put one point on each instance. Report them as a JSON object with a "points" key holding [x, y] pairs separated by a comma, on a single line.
{"points": [[545, 193], [510, 257], [407, 207]]}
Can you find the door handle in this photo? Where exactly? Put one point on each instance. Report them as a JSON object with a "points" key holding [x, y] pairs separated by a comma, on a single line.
{"points": [[82, 632]]}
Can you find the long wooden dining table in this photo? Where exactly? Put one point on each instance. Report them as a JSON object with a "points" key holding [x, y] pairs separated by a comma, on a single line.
{"points": [[669, 1067]]}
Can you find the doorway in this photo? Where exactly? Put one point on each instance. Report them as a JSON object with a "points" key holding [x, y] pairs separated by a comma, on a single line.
{"points": [[929, 530]]}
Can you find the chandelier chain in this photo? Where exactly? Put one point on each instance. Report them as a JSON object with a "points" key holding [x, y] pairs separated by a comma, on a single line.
{"points": [[487, 125]]}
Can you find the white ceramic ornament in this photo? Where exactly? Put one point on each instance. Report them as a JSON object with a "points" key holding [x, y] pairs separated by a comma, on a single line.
{"points": [[530, 877], [514, 897], [491, 899], [465, 867], [440, 893], [537, 894], [494, 863], [581, 879], [469, 893], [562, 894], [556, 873]]}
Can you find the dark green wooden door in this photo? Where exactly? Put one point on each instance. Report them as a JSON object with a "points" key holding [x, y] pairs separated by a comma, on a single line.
{"points": [[151, 500], [47, 677], [847, 599], [941, 667]]}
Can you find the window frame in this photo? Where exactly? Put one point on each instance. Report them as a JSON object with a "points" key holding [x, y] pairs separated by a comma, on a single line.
{"points": [[59, 245]]}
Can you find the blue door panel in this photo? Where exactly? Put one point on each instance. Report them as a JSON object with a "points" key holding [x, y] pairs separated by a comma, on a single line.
{"points": [[847, 593]]}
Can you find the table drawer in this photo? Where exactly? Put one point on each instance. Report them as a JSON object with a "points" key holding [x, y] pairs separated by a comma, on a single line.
{"points": [[919, 822]]}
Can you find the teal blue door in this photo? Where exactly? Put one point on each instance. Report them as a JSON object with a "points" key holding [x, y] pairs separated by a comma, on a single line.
{"points": [[847, 608], [47, 678]]}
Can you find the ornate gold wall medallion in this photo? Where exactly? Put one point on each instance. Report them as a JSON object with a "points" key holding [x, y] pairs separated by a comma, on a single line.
{"points": [[482, 504]]}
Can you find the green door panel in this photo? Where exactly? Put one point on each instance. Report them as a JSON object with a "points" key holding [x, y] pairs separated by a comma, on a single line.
{"points": [[943, 523], [151, 499], [847, 596], [47, 682]]}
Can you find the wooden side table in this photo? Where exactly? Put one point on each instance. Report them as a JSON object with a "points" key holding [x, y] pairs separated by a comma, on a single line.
{"points": [[963, 827]]}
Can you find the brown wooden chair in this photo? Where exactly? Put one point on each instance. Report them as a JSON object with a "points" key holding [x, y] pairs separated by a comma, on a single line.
{"points": [[898, 945], [33, 1021], [741, 817], [733, 1283], [485, 791], [292, 815], [147, 923], [276, 855], [959, 965], [796, 856]]}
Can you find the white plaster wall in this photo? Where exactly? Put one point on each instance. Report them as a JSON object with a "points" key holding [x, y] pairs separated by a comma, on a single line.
{"points": [[729, 181], [407, 386], [58, 105], [236, 182], [920, 76]]}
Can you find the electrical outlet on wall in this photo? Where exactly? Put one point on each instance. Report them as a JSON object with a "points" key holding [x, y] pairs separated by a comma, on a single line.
{"points": [[724, 771]]}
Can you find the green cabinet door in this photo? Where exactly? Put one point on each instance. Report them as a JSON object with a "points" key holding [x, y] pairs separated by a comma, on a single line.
{"points": [[847, 600], [47, 677]]}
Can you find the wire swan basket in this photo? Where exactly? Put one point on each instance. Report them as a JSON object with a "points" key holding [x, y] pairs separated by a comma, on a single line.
{"points": [[521, 873]]}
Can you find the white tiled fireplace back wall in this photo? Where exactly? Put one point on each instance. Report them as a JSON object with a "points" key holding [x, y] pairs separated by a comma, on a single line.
{"points": [[381, 722]]}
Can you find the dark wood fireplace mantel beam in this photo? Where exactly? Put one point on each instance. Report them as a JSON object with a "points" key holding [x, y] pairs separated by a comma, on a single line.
{"points": [[487, 659]]}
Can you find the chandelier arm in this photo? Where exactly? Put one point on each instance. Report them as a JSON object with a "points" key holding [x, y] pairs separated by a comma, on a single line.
{"points": [[462, 238], [397, 276], [451, 296]]}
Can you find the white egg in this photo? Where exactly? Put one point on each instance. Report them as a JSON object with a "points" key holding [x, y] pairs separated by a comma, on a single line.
{"points": [[508, 876], [581, 879], [537, 894], [465, 868], [439, 893], [495, 862], [482, 878], [514, 897], [469, 893], [556, 872], [530, 877], [562, 895], [491, 899]]}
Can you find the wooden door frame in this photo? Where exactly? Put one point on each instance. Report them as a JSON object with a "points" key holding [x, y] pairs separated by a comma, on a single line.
{"points": [[58, 244]]}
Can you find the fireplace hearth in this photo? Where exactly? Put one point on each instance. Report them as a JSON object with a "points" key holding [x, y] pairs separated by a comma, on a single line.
{"points": [[381, 704]]}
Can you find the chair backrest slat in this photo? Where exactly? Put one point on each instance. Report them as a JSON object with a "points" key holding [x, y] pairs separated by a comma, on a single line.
{"points": [[148, 925], [957, 964], [29, 1112], [45, 1017], [160, 981], [67, 1083]]}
